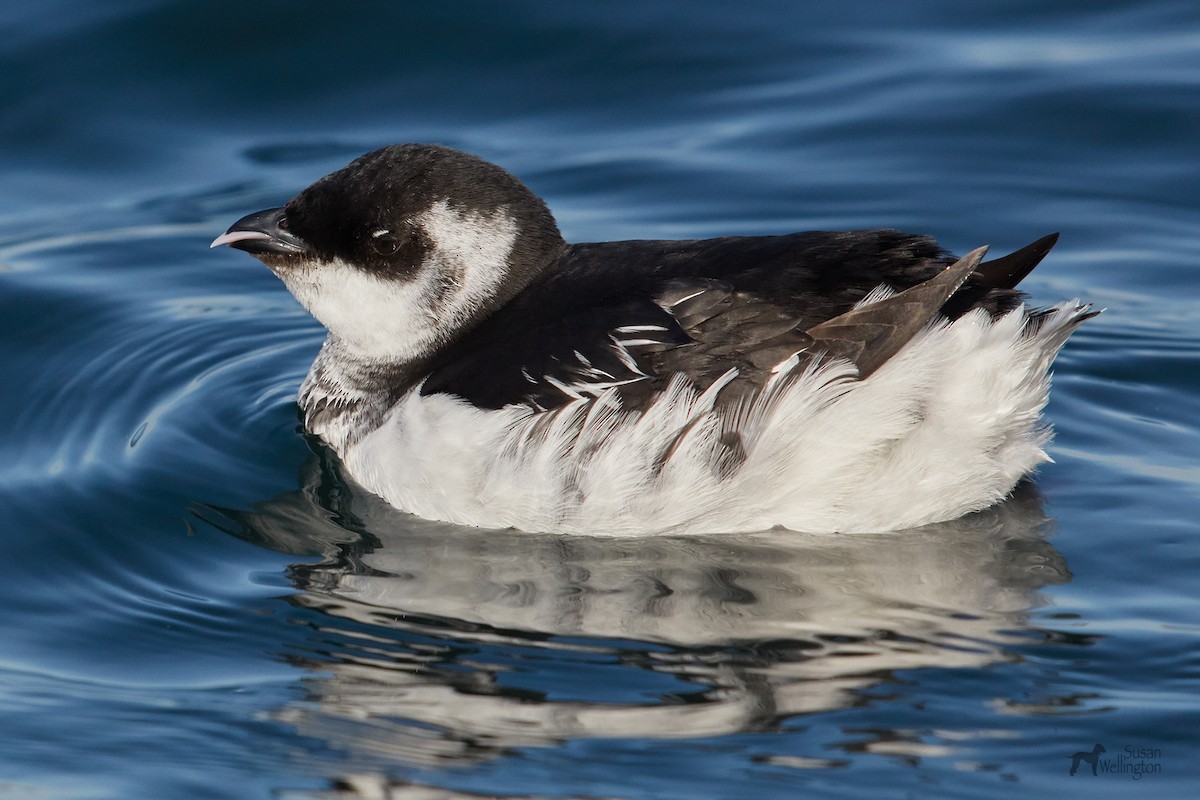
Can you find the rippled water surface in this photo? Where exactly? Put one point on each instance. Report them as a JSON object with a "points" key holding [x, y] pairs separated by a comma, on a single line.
{"points": [[195, 604]]}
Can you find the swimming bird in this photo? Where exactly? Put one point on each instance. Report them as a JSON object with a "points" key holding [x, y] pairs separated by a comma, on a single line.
{"points": [[480, 370]]}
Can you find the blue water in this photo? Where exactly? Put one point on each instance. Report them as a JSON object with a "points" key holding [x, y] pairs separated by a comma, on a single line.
{"points": [[193, 604]]}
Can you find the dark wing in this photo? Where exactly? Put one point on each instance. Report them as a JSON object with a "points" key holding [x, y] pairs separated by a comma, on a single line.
{"points": [[993, 285], [1007, 271], [729, 328], [544, 350], [630, 315]]}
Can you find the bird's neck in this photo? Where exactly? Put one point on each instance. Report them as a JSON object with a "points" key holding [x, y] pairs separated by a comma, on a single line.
{"points": [[345, 397]]}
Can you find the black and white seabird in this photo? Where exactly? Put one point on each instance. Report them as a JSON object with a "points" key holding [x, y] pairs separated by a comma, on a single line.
{"points": [[480, 370]]}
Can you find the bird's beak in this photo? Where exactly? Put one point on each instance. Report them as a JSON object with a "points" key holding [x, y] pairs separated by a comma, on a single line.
{"points": [[262, 233]]}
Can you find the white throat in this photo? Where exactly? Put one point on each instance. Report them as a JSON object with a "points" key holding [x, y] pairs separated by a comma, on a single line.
{"points": [[393, 320]]}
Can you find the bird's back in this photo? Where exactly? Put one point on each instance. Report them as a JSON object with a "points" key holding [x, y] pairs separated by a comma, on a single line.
{"points": [[633, 314]]}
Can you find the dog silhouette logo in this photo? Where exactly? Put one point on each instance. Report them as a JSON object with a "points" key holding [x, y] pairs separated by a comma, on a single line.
{"points": [[1090, 758]]}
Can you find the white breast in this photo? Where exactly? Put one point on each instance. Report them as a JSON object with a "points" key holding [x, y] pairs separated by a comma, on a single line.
{"points": [[946, 427]]}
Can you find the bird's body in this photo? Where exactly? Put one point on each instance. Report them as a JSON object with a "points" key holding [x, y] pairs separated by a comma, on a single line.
{"points": [[482, 371]]}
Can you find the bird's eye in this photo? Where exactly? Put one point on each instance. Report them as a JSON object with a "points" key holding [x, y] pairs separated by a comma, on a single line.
{"points": [[384, 243], [283, 223]]}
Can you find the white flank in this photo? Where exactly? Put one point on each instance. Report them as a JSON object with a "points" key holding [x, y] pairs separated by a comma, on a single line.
{"points": [[947, 426]]}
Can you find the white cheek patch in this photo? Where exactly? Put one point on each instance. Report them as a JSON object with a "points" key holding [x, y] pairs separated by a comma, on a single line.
{"points": [[401, 319], [471, 253]]}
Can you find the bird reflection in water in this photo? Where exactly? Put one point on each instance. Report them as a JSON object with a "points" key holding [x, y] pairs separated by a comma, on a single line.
{"points": [[435, 645]]}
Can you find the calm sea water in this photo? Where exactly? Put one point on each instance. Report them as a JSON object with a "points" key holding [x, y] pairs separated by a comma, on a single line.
{"points": [[194, 604]]}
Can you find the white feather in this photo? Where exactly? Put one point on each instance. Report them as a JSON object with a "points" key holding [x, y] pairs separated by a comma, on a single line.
{"points": [[685, 298], [639, 328], [880, 292], [626, 359]]}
